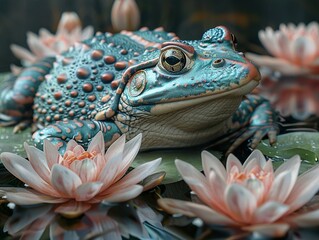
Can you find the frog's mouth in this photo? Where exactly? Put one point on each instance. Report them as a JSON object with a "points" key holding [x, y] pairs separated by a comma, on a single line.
{"points": [[179, 104]]}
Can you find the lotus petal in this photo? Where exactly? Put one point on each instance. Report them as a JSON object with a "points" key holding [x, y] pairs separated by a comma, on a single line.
{"points": [[72, 209], [135, 176], [308, 219], [195, 180], [51, 153], [22, 53], [86, 169], [241, 203], [270, 212], [87, 191], [123, 194], [22, 169], [209, 162], [256, 158], [129, 153], [24, 196], [64, 180], [38, 162], [233, 164], [97, 144], [269, 230], [305, 188], [195, 210]]}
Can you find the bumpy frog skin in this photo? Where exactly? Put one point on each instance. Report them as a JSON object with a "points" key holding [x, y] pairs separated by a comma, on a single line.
{"points": [[177, 93]]}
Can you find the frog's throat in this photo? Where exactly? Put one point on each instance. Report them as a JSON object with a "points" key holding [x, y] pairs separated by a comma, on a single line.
{"points": [[110, 112], [163, 108]]}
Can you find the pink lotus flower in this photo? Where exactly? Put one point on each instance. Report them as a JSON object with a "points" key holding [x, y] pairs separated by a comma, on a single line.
{"points": [[295, 49], [47, 44], [83, 176], [290, 78], [125, 15], [251, 196]]}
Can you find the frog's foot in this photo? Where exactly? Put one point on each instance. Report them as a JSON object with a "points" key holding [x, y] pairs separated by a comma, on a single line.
{"points": [[256, 134], [82, 131], [22, 125]]}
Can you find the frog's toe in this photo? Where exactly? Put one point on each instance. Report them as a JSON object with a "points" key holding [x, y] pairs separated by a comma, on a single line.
{"points": [[241, 139], [256, 134], [257, 137]]}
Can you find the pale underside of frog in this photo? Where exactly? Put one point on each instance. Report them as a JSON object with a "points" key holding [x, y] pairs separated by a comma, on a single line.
{"points": [[176, 93]]}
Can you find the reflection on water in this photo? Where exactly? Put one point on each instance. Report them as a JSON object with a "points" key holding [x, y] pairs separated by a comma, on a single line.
{"points": [[132, 220]]}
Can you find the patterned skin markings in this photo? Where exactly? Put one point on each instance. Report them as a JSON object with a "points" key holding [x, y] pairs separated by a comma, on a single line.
{"points": [[87, 87], [57, 95], [68, 103], [78, 123], [106, 98], [120, 65], [83, 111], [74, 94], [89, 82], [48, 118], [53, 108], [72, 113], [81, 104], [107, 77], [99, 88], [56, 117], [97, 55], [68, 87], [83, 72], [91, 98], [62, 78]]}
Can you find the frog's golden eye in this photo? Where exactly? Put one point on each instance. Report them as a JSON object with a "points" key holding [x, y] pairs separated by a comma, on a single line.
{"points": [[173, 60]]}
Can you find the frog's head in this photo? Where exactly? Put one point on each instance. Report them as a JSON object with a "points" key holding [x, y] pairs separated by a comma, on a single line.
{"points": [[208, 75]]}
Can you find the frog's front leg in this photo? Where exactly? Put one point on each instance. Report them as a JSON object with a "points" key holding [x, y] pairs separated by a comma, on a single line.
{"points": [[259, 118], [82, 131]]}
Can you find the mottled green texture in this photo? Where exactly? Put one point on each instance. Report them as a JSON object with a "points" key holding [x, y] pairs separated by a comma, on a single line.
{"points": [[305, 144]]}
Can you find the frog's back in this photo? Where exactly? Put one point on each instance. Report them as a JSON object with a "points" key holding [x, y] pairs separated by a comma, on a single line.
{"points": [[83, 81]]}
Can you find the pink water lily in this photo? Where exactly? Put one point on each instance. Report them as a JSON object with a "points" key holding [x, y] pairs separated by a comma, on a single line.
{"points": [[290, 76], [85, 176], [295, 49], [47, 44], [251, 196], [125, 15]]}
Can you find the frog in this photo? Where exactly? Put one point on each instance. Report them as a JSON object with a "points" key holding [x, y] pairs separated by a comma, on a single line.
{"points": [[177, 93]]}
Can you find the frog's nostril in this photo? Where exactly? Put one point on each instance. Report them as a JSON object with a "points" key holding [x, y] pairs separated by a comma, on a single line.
{"points": [[219, 62]]}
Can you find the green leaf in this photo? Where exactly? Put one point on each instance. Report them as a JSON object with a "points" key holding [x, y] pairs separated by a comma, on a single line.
{"points": [[10, 142], [304, 144], [190, 155]]}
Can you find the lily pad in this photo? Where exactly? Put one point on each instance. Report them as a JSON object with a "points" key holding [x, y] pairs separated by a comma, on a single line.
{"points": [[10, 142], [190, 155], [304, 144]]}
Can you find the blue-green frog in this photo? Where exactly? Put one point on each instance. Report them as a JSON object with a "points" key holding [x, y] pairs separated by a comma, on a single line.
{"points": [[176, 93]]}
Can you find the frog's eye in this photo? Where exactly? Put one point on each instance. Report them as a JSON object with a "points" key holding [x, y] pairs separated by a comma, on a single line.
{"points": [[173, 60]]}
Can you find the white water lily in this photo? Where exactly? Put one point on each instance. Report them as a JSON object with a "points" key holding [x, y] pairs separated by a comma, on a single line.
{"points": [[69, 31]]}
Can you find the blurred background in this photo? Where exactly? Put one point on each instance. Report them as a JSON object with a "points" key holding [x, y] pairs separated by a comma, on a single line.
{"points": [[188, 18]]}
